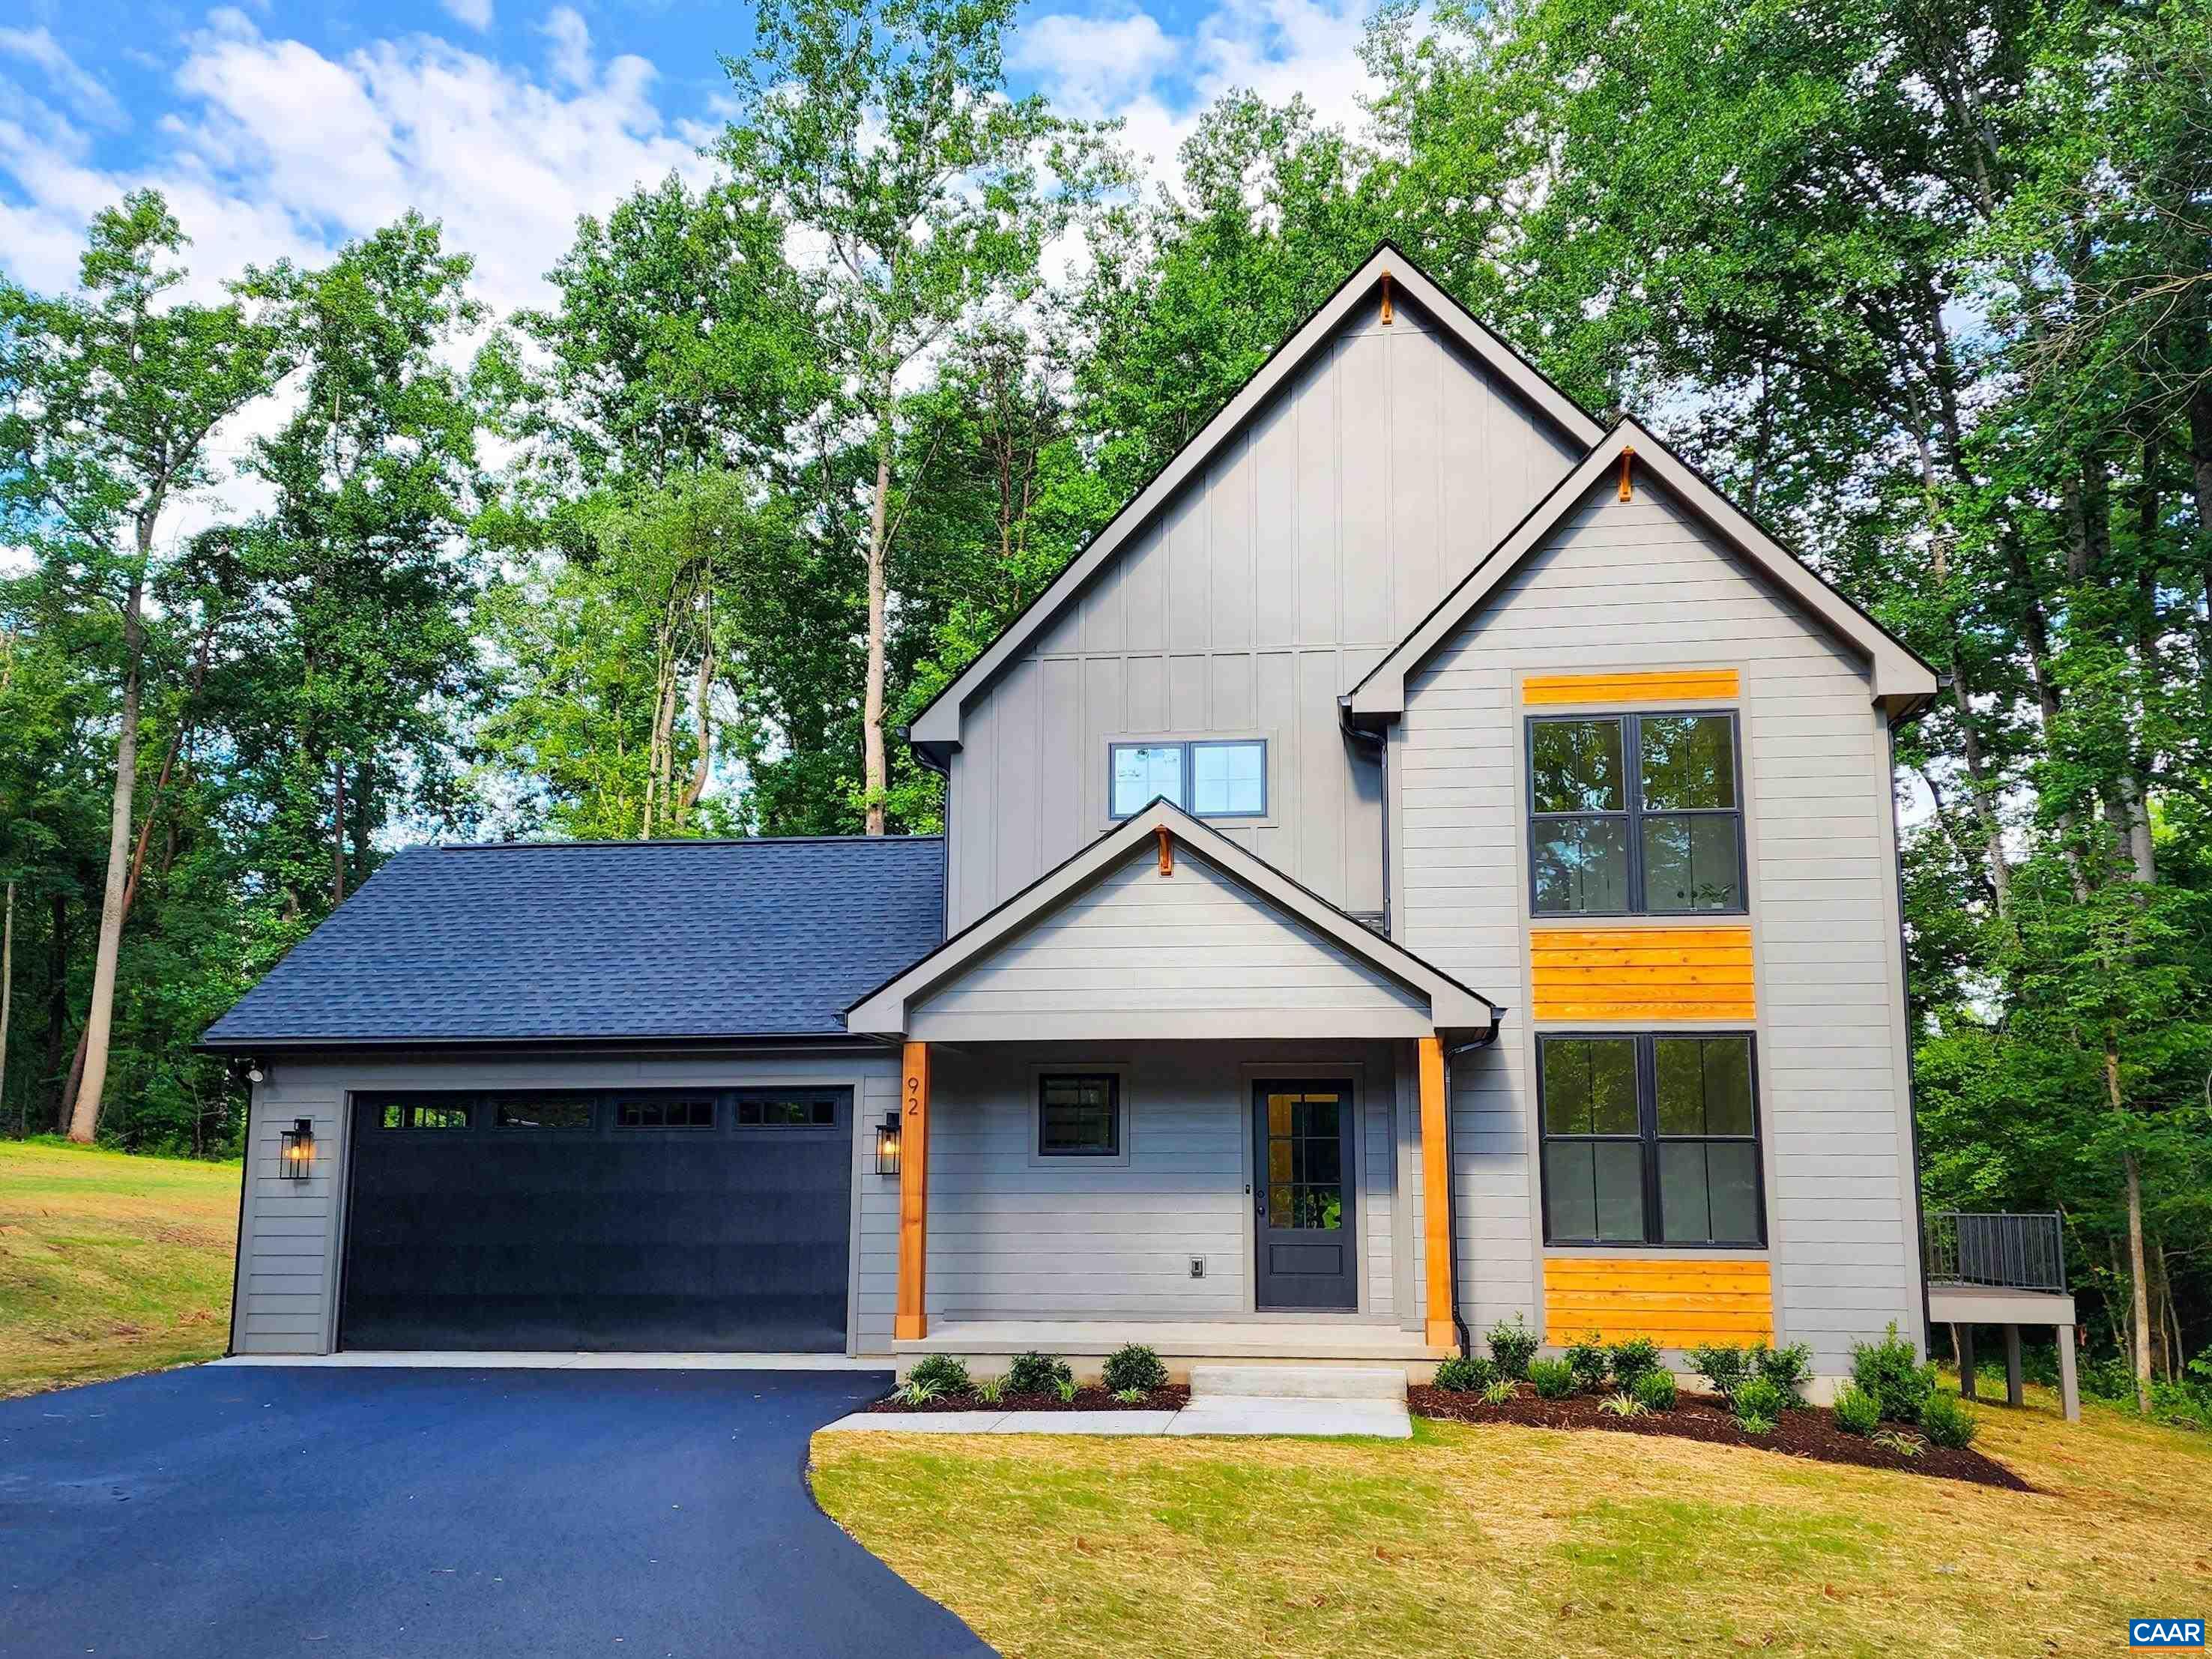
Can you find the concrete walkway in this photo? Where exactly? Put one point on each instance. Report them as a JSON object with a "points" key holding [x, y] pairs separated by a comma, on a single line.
{"points": [[1211, 1415]]}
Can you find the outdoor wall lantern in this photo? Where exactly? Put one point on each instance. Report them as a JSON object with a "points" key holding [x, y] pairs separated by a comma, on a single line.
{"points": [[298, 1145], [887, 1146]]}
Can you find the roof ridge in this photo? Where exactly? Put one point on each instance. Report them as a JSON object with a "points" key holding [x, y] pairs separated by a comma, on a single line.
{"points": [[673, 841]]}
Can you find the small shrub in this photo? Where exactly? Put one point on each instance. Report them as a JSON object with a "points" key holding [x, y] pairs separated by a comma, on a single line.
{"points": [[1752, 1423], [916, 1391], [1587, 1360], [1513, 1345], [1554, 1378], [1757, 1397], [1130, 1396], [1065, 1389], [1788, 1369], [1656, 1389], [1721, 1365], [990, 1390], [1463, 1375], [1037, 1373], [1948, 1421], [1134, 1367], [942, 1373], [1858, 1411], [1502, 1392], [1623, 1404], [1903, 1445], [1888, 1370], [1636, 1357]]}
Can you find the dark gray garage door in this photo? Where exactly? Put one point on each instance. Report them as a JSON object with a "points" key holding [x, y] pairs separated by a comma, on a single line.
{"points": [[668, 1220]]}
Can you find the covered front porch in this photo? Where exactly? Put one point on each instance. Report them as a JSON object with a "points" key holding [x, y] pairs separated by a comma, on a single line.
{"points": [[1168, 1097]]}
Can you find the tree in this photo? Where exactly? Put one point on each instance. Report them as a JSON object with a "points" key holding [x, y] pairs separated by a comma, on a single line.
{"points": [[107, 400], [881, 129]]}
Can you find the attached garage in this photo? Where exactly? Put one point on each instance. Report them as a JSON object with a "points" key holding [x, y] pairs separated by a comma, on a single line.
{"points": [[675, 1220]]}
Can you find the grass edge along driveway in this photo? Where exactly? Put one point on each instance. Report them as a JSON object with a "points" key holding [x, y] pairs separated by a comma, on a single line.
{"points": [[1494, 1539], [110, 1263]]}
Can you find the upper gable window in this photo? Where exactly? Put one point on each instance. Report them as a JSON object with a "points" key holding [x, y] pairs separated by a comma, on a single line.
{"points": [[1209, 778], [1635, 815]]}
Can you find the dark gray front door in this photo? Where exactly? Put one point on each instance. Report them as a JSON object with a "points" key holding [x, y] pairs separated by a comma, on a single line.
{"points": [[1303, 1198]]}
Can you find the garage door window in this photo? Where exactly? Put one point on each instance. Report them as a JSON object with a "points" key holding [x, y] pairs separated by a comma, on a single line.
{"points": [[542, 1111], [776, 1109], [664, 1112], [423, 1115]]}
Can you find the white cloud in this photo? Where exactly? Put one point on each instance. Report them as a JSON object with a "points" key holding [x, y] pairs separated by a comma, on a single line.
{"points": [[476, 14], [81, 91], [570, 54], [1097, 65]]}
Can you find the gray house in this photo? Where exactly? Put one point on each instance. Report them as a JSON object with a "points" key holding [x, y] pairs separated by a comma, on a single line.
{"points": [[1432, 858]]}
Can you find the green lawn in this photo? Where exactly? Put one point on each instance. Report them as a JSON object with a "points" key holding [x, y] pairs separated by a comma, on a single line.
{"points": [[1498, 1540], [110, 1264]]}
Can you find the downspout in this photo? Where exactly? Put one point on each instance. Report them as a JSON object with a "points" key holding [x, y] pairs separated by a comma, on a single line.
{"points": [[1488, 1039], [1380, 742]]}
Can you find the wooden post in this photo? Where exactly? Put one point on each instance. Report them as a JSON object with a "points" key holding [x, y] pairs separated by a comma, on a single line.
{"points": [[911, 1323], [1435, 1192], [2070, 1390], [1963, 1337]]}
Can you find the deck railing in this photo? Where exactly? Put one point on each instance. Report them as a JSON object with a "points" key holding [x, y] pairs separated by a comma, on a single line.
{"points": [[2017, 1252]]}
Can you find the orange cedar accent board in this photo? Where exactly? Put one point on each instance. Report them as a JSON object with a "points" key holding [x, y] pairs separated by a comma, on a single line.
{"points": [[1642, 973], [909, 1323], [1660, 685], [1677, 1304], [1435, 1192]]}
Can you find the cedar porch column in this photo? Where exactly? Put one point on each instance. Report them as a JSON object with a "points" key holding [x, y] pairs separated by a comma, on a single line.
{"points": [[911, 1323], [1436, 1192]]}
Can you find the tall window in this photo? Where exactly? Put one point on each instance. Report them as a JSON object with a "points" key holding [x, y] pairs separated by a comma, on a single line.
{"points": [[1208, 778], [1635, 815], [1649, 1140]]}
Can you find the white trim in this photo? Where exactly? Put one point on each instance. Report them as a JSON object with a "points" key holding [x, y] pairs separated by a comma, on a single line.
{"points": [[940, 722]]}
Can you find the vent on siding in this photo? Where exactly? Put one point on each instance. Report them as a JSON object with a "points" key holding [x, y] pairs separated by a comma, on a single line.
{"points": [[1370, 920]]}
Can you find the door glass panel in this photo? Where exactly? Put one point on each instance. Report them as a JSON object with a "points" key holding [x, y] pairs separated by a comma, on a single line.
{"points": [[1305, 1162]]}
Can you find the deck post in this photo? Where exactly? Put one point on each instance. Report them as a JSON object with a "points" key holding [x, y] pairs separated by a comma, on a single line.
{"points": [[1435, 1192], [2070, 1390], [911, 1324], [2014, 1392], [1963, 1336]]}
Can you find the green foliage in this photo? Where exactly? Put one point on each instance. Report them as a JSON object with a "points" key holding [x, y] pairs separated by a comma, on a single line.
{"points": [[1723, 1366], [1631, 1358], [1513, 1345], [1888, 1369], [917, 1391], [1655, 1389], [1949, 1421], [1858, 1411], [1788, 1369], [1037, 1373], [1554, 1379], [1623, 1404], [1758, 1422], [943, 1372], [1066, 1388], [1589, 1362], [1134, 1367], [990, 1390], [1905, 1445], [1757, 1397], [1500, 1391], [1130, 1396], [1467, 1374]]}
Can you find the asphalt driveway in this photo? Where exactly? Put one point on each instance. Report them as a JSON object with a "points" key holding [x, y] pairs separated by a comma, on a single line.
{"points": [[231, 1513]]}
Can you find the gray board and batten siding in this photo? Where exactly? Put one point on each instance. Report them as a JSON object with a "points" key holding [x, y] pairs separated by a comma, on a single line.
{"points": [[1645, 585], [1373, 478]]}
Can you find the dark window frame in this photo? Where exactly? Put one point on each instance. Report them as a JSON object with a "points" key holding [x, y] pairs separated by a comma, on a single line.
{"points": [[1648, 1139], [762, 1095], [411, 1102], [1114, 1125], [490, 1100], [1633, 812], [1190, 746], [663, 1098]]}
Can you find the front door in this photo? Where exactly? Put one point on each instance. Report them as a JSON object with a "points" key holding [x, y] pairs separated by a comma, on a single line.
{"points": [[1302, 1197]]}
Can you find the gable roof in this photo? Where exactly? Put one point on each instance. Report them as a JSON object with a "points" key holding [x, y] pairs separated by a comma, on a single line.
{"points": [[602, 941], [886, 1011], [1900, 678], [938, 725]]}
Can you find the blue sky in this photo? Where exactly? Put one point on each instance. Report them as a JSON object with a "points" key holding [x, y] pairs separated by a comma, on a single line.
{"points": [[282, 129]]}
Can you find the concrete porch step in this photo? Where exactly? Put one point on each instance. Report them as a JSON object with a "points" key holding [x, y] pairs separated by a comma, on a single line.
{"points": [[1386, 1382]]}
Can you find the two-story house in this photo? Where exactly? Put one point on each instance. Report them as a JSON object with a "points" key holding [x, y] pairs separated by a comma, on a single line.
{"points": [[1432, 858]]}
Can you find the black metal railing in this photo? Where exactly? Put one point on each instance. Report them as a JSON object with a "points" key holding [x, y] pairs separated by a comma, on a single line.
{"points": [[2017, 1252]]}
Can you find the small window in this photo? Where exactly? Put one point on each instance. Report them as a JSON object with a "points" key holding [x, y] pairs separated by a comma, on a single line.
{"points": [[1635, 815], [422, 1114], [1212, 778], [1079, 1116], [779, 1108], [664, 1112], [542, 1111], [1649, 1140]]}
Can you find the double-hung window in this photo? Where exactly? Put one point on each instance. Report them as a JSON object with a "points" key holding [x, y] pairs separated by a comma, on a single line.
{"points": [[1207, 777], [1650, 1139], [1635, 815]]}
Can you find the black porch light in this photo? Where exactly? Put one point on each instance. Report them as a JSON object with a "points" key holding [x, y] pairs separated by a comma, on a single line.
{"points": [[887, 1144], [297, 1146]]}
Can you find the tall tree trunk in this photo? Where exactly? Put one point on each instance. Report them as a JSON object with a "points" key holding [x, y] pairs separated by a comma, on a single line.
{"points": [[875, 777], [58, 1005], [339, 831], [84, 1114], [2142, 1298], [7, 986], [702, 715]]}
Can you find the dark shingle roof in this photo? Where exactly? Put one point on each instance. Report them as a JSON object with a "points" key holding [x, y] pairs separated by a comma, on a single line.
{"points": [[602, 940]]}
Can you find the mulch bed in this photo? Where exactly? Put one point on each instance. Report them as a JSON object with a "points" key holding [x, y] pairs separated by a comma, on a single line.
{"points": [[1810, 1431], [1171, 1398]]}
